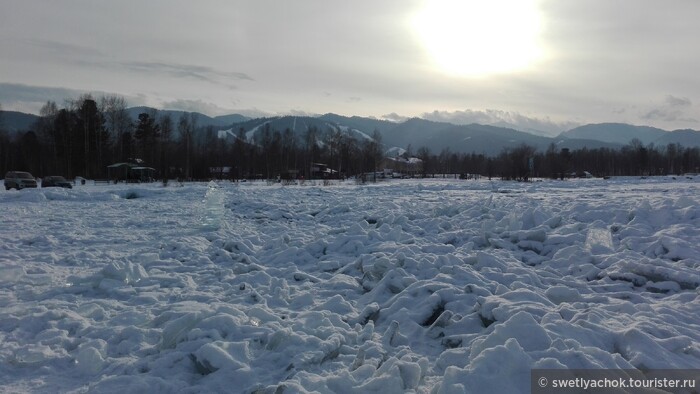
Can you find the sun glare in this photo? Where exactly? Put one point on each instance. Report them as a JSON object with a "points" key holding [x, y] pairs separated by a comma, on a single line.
{"points": [[476, 38]]}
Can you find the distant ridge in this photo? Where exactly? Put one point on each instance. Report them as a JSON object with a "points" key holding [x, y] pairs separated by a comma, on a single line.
{"points": [[15, 122], [416, 132], [622, 134], [617, 133], [202, 120], [684, 137]]}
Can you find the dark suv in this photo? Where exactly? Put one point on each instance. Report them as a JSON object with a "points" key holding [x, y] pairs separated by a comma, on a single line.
{"points": [[55, 181], [19, 180]]}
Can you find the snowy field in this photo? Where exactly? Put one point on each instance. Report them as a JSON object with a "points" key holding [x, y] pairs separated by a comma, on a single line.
{"points": [[428, 286]]}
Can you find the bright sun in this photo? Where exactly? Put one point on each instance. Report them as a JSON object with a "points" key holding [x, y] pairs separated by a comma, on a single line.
{"points": [[476, 38]]}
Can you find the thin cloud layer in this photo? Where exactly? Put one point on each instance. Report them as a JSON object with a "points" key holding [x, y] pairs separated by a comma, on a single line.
{"points": [[202, 73], [501, 118]]}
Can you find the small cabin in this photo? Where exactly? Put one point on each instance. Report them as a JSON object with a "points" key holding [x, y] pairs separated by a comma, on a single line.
{"points": [[130, 172], [400, 166], [220, 172], [322, 171]]}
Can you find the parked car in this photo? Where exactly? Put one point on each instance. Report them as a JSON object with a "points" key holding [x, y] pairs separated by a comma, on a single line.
{"points": [[19, 180], [55, 181]]}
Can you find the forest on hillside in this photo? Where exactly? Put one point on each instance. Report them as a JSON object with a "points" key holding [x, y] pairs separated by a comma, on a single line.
{"points": [[87, 134]]}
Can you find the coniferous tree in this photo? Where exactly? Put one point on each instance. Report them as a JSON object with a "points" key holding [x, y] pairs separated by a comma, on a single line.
{"points": [[89, 130], [147, 135], [29, 149]]}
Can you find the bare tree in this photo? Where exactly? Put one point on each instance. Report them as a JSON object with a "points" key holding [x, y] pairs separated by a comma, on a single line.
{"points": [[240, 155], [117, 121], [334, 139], [289, 147], [185, 127], [45, 127], [426, 156], [373, 153], [311, 154]]}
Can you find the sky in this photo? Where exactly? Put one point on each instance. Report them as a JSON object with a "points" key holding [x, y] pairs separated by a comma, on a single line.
{"points": [[545, 65]]}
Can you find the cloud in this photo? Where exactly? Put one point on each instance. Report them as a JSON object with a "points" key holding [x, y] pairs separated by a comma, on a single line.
{"points": [[253, 113], [394, 117], [212, 109], [515, 120], [673, 109], [89, 57], [202, 73], [678, 101], [200, 106], [15, 93], [299, 112]]}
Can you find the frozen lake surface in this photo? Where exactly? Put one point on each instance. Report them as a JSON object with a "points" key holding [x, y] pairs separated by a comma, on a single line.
{"points": [[441, 286]]}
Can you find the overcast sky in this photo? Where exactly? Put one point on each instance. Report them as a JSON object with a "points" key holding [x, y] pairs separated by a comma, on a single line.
{"points": [[549, 64]]}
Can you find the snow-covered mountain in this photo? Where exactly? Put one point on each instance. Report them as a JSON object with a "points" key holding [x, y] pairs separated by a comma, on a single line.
{"points": [[298, 125]]}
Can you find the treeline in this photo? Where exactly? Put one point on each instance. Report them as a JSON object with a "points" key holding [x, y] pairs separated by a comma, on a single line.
{"points": [[525, 162], [88, 134]]}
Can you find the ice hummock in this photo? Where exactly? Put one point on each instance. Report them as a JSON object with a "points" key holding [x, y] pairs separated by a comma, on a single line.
{"points": [[410, 286], [213, 207]]}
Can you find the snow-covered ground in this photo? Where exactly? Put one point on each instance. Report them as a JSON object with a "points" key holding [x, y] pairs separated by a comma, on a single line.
{"points": [[411, 285]]}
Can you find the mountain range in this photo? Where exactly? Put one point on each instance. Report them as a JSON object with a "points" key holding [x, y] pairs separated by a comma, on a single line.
{"points": [[476, 138], [415, 132]]}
